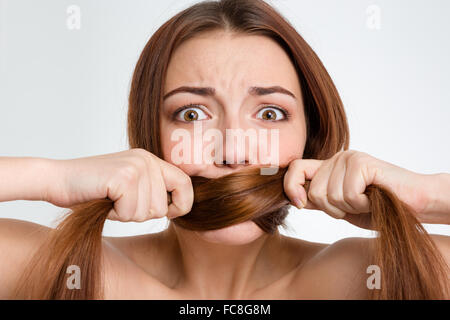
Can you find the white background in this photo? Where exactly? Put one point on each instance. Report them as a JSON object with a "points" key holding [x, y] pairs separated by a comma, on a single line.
{"points": [[63, 93]]}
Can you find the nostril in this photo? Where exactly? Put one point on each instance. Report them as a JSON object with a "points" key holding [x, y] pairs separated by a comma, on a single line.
{"points": [[231, 163]]}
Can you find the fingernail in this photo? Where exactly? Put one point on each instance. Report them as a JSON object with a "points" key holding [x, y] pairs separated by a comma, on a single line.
{"points": [[298, 203]]}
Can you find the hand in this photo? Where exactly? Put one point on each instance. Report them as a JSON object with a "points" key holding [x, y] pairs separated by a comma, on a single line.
{"points": [[136, 180], [337, 185]]}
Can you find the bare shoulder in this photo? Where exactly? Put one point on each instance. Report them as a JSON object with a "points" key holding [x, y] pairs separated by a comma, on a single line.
{"points": [[127, 274], [10, 227], [134, 248], [19, 240], [336, 271], [442, 242], [126, 244]]}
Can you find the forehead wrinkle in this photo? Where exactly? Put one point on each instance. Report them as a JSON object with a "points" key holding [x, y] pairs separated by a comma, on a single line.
{"points": [[226, 80], [231, 72]]}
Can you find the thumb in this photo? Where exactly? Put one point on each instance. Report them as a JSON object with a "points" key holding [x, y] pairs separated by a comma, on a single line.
{"points": [[297, 178]]}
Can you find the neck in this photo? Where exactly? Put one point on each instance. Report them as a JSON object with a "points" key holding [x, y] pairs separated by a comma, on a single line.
{"points": [[221, 271]]}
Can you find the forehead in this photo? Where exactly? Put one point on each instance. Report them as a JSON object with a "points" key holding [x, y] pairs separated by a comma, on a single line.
{"points": [[223, 60]]}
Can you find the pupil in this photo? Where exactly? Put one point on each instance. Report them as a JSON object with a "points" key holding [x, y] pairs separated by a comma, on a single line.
{"points": [[269, 114], [190, 115]]}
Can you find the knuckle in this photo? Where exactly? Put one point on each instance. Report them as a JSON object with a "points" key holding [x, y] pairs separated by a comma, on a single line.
{"points": [[139, 151], [296, 163], [141, 218], [138, 219], [129, 173], [350, 151], [160, 212], [123, 217], [289, 190], [185, 207], [358, 159], [141, 157], [338, 215], [128, 216], [334, 198], [314, 195], [150, 213], [349, 197], [290, 181], [340, 153], [347, 154], [186, 181], [140, 162]]}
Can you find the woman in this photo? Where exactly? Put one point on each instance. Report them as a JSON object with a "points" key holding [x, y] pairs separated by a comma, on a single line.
{"points": [[229, 65]]}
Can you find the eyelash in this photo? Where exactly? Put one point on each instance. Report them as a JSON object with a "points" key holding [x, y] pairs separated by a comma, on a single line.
{"points": [[188, 106], [286, 114]]}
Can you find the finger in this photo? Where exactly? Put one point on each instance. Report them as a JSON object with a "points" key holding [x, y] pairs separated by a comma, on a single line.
{"points": [[126, 203], [335, 190], [319, 187], [311, 206], [354, 186], [158, 204], [179, 184], [144, 199], [112, 215], [298, 172]]}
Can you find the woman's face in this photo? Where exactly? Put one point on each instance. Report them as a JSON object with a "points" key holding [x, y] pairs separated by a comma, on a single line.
{"points": [[231, 64]]}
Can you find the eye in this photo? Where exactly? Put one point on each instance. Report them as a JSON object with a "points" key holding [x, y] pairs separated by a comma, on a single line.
{"points": [[272, 114], [190, 113]]}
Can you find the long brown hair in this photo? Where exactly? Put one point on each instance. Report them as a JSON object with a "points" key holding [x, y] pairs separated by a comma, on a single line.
{"points": [[411, 265]]}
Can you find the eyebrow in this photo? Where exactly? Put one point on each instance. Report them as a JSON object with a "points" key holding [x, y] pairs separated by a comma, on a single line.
{"points": [[209, 91]]}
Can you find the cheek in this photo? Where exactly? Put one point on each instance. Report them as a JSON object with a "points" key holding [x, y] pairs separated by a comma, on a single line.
{"points": [[292, 145], [168, 145]]}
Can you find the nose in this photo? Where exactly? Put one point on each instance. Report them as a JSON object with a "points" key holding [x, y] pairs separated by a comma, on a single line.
{"points": [[235, 154], [233, 165]]}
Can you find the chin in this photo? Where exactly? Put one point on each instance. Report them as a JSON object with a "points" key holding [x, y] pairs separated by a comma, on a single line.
{"points": [[238, 234]]}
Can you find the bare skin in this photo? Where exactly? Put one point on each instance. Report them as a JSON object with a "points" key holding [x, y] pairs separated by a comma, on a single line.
{"points": [[150, 267], [238, 262], [275, 272], [146, 267]]}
